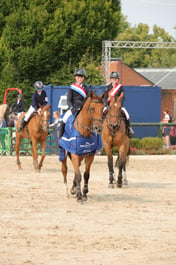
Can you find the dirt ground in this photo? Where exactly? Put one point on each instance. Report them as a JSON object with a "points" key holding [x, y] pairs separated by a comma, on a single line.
{"points": [[132, 225]]}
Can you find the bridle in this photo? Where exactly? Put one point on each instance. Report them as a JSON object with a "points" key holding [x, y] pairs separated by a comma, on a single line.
{"points": [[93, 120], [44, 123], [114, 127]]}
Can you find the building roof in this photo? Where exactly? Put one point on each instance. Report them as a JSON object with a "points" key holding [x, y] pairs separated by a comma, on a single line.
{"points": [[163, 77]]}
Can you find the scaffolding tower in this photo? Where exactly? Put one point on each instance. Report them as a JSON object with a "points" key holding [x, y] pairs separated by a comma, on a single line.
{"points": [[107, 46]]}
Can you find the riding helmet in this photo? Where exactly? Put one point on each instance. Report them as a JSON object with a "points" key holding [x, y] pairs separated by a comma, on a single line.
{"points": [[80, 72], [115, 75], [38, 85]]}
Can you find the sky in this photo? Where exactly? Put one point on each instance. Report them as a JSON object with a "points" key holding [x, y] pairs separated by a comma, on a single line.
{"points": [[151, 12]]}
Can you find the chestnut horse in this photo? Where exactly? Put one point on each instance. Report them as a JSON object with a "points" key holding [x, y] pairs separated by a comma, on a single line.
{"points": [[88, 120], [114, 135], [36, 131]]}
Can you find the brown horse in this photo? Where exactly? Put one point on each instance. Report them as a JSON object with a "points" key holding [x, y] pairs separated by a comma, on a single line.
{"points": [[114, 135], [88, 120], [36, 131]]}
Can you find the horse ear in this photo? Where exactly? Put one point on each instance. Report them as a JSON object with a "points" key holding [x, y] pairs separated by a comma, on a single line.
{"points": [[49, 106], [103, 95], [91, 94], [120, 97], [40, 106]]}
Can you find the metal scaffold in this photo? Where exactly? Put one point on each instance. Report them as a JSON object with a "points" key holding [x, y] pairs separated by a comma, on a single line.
{"points": [[107, 46]]}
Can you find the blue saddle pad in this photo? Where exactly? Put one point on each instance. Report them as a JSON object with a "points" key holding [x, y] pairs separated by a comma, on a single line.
{"points": [[75, 143]]}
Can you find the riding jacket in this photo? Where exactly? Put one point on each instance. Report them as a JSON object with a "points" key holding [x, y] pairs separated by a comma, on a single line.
{"points": [[116, 91], [39, 99], [18, 106], [76, 96]]}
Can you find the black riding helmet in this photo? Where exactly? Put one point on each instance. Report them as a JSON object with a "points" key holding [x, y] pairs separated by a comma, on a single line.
{"points": [[80, 72], [115, 75]]}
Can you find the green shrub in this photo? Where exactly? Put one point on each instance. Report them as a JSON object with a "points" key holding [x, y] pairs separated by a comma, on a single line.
{"points": [[135, 142], [151, 143]]}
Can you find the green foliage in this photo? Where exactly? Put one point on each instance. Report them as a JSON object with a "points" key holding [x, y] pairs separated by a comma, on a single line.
{"points": [[150, 143], [145, 57], [46, 40], [135, 142]]}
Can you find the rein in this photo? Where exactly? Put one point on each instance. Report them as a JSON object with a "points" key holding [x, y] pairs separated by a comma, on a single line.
{"points": [[90, 110]]}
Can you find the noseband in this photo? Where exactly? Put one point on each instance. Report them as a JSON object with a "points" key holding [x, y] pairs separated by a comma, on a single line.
{"points": [[113, 127], [45, 120], [91, 110]]}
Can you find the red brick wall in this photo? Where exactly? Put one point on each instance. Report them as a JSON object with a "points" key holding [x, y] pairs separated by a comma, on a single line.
{"points": [[129, 77], [168, 96]]}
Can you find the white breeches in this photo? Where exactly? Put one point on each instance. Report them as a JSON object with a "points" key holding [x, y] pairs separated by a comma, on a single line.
{"points": [[68, 113], [29, 113], [126, 113], [18, 114]]}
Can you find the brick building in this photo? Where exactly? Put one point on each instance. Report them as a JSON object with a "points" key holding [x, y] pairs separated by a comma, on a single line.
{"points": [[165, 78]]}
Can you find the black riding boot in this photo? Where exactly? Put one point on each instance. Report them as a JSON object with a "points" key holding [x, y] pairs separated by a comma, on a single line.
{"points": [[61, 130], [129, 130], [22, 124]]}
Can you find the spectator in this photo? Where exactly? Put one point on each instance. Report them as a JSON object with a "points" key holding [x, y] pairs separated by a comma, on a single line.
{"points": [[166, 129], [56, 116], [173, 134]]}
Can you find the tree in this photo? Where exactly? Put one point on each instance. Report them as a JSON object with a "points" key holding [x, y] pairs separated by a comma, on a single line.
{"points": [[145, 57]]}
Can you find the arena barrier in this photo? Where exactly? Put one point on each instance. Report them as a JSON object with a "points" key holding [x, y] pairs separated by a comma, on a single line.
{"points": [[8, 139]]}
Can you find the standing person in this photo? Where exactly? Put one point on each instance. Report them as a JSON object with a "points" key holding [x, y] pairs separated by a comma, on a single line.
{"points": [[173, 134], [116, 89], [77, 93], [39, 97], [56, 116], [18, 105], [166, 129]]}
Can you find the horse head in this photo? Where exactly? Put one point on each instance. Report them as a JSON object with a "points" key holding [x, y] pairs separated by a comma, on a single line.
{"points": [[115, 112], [44, 114], [95, 110]]}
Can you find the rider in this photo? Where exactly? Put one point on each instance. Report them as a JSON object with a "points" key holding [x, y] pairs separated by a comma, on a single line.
{"points": [[39, 97], [116, 89], [18, 105], [75, 98]]}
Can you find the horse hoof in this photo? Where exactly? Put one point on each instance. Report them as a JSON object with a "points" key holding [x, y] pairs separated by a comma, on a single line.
{"points": [[79, 199], [73, 190], [84, 197], [111, 186], [119, 185], [125, 182]]}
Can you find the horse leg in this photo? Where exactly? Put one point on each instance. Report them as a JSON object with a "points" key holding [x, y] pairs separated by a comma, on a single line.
{"points": [[77, 179], [111, 170], [88, 164], [120, 163], [42, 145], [125, 180], [64, 170], [35, 154], [17, 147], [73, 188]]}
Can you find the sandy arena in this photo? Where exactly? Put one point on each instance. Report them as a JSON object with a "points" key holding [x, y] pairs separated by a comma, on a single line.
{"points": [[130, 226]]}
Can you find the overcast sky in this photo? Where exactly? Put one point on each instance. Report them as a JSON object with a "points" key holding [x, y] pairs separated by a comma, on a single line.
{"points": [[151, 12]]}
